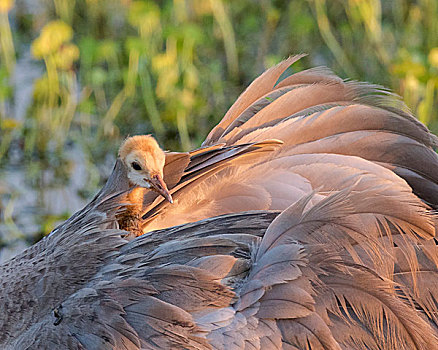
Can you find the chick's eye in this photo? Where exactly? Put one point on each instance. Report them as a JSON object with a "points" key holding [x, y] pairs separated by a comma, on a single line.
{"points": [[136, 166]]}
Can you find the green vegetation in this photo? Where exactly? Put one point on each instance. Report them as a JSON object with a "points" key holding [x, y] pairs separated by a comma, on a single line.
{"points": [[108, 68]]}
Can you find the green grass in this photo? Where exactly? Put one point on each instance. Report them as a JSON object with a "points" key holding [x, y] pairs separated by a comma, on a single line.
{"points": [[118, 67]]}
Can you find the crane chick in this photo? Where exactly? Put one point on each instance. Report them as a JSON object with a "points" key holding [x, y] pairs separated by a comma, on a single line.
{"points": [[144, 160]]}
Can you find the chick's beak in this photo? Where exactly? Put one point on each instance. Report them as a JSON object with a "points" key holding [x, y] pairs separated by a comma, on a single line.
{"points": [[159, 186]]}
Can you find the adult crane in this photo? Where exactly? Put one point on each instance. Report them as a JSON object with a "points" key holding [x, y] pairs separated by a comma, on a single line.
{"points": [[305, 221]]}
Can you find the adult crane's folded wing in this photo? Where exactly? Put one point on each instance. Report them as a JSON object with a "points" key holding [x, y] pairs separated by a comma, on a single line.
{"points": [[326, 126]]}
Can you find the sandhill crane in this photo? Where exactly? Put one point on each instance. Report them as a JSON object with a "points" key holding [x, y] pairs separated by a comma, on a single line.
{"points": [[304, 222], [144, 161]]}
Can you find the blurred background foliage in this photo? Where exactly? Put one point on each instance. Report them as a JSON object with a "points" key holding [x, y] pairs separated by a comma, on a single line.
{"points": [[77, 76]]}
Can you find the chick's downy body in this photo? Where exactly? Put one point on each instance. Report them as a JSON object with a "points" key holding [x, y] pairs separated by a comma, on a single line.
{"points": [[144, 160]]}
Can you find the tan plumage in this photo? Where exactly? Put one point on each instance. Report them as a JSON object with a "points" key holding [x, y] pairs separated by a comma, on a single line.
{"points": [[326, 240], [144, 160]]}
